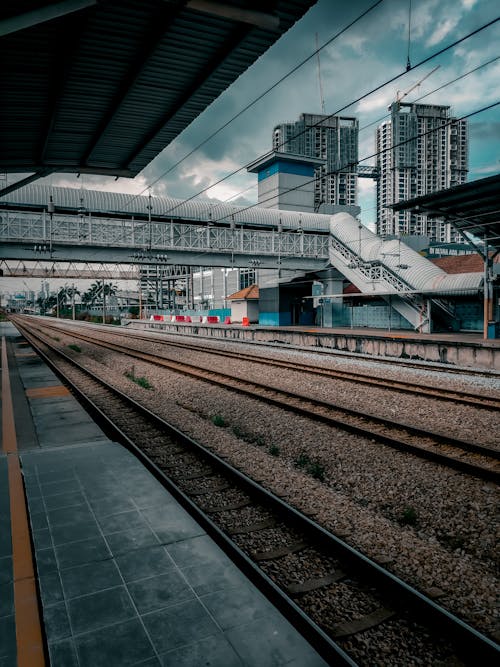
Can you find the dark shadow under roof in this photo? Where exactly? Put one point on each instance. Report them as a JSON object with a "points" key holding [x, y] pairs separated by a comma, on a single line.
{"points": [[473, 208], [102, 86]]}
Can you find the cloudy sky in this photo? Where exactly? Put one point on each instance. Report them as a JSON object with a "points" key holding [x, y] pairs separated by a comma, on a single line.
{"points": [[368, 54], [364, 57]]}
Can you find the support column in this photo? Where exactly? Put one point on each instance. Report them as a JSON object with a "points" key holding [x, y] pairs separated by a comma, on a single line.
{"points": [[333, 307]]}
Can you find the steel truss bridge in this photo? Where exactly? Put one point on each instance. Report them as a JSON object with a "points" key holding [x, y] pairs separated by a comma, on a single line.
{"points": [[50, 240]]}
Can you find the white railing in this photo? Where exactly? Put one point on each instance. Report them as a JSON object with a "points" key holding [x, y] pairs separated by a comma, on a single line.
{"points": [[41, 228]]}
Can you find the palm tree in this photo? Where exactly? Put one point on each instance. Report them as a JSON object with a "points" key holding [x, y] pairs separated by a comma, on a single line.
{"points": [[108, 289], [41, 303], [93, 292], [87, 298], [62, 297], [48, 302]]}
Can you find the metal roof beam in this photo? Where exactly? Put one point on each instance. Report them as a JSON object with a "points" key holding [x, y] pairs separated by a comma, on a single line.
{"points": [[48, 13], [67, 44], [25, 181], [150, 42], [259, 19], [211, 66]]}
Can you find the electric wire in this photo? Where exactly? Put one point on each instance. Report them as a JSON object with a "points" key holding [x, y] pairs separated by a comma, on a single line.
{"points": [[355, 101], [372, 155], [259, 97], [361, 129], [444, 85]]}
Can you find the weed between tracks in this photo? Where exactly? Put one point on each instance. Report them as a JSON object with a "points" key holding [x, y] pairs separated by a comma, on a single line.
{"points": [[313, 468], [141, 381], [74, 347], [409, 517], [218, 420]]}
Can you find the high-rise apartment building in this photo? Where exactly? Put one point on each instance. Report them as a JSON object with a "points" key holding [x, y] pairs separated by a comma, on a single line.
{"points": [[333, 139], [421, 149]]}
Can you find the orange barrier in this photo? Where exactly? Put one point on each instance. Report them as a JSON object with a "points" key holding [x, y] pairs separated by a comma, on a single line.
{"points": [[227, 320], [212, 319], [188, 318], [245, 322]]}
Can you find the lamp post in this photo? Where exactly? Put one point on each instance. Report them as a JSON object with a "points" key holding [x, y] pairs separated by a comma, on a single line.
{"points": [[103, 303]]}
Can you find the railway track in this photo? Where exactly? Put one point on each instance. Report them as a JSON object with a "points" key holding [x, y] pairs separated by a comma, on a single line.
{"points": [[468, 457], [411, 362], [350, 608], [481, 401]]}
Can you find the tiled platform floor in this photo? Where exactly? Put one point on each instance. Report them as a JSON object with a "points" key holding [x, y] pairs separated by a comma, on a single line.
{"points": [[126, 576]]}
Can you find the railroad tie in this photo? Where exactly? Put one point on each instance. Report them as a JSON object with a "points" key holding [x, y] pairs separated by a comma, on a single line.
{"points": [[361, 624], [226, 508], [194, 475], [223, 486], [252, 528], [271, 554], [314, 584]]}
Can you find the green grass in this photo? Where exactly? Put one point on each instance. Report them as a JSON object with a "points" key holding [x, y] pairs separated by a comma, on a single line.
{"points": [[302, 461], [248, 437], [317, 470], [218, 420], [74, 347], [141, 381], [313, 468], [409, 517]]}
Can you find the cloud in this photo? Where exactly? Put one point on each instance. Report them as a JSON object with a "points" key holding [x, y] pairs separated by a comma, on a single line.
{"points": [[485, 131], [486, 170], [443, 29], [368, 54]]}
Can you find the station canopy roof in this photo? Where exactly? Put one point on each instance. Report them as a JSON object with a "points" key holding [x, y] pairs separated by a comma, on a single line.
{"points": [[472, 208], [102, 86]]}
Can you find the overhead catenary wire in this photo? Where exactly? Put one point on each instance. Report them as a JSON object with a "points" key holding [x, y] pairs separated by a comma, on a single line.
{"points": [[431, 92], [372, 155], [406, 141], [346, 106], [361, 129], [408, 62], [260, 96]]}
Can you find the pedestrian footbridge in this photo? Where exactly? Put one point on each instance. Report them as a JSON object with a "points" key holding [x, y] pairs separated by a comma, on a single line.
{"points": [[63, 224]]}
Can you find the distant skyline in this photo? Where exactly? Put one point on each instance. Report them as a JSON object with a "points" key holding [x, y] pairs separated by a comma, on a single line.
{"points": [[368, 54]]}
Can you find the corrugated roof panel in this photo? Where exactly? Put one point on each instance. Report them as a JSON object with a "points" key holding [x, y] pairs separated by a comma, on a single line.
{"points": [[202, 210], [90, 71]]}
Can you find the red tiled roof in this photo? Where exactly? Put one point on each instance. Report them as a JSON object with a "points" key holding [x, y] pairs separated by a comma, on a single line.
{"points": [[460, 263], [251, 292]]}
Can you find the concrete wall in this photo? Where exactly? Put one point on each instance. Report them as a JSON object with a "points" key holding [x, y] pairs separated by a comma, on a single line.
{"points": [[279, 191], [241, 309], [454, 352]]}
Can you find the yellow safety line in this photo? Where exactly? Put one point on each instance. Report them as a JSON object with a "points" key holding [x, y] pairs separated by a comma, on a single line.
{"points": [[30, 651], [48, 392]]}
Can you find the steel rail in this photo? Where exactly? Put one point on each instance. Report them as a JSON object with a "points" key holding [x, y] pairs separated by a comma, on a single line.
{"points": [[472, 645], [281, 399], [432, 366], [452, 395]]}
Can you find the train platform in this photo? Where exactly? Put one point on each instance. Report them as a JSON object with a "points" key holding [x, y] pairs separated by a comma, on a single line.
{"points": [[460, 349], [99, 564]]}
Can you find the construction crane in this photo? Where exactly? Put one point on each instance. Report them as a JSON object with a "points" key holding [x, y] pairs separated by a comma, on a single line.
{"points": [[400, 95], [322, 99]]}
